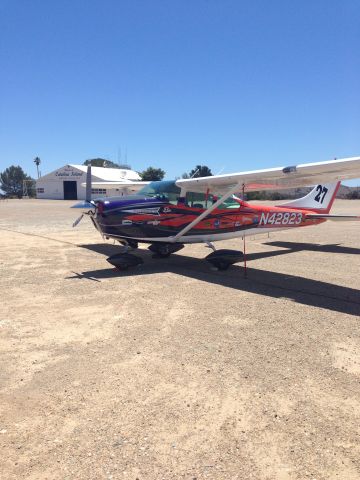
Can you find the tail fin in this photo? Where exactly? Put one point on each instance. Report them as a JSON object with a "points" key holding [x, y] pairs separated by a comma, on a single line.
{"points": [[320, 199]]}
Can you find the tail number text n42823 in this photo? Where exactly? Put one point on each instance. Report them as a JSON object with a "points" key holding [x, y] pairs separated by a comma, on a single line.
{"points": [[280, 218]]}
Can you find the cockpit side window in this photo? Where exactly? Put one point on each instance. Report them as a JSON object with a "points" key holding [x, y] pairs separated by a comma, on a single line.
{"points": [[198, 200], [203, 200]]}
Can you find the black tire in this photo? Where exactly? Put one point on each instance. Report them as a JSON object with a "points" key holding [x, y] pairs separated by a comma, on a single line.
{"points": [[223, 266]]}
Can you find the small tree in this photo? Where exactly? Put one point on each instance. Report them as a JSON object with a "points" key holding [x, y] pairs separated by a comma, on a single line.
{"points": [[12, 182], [101, 162], [152, 174], [200, 171]]}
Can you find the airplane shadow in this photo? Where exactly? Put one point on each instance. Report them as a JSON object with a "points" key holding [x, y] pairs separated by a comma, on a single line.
{"points": [[315, 247], [261, 282], [292, 247]]}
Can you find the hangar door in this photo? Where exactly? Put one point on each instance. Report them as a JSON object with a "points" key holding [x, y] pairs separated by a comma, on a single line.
{"points": [[70, 190]]}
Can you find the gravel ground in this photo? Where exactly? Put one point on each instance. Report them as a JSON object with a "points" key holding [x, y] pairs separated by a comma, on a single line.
{"points": [[172, 370]]}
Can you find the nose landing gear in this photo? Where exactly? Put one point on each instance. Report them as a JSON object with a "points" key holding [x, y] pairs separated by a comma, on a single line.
{"points": [[122, 261]]}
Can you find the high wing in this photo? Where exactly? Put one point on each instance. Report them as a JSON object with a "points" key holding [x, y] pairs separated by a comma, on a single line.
{"points": [[293, 176]]}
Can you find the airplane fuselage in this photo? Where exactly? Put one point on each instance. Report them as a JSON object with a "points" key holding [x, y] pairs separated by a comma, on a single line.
{"points": [[156, 219]]}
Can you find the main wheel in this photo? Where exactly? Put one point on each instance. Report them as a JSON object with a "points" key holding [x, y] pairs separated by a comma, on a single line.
{"points": [[223, 265], [222, 259]]}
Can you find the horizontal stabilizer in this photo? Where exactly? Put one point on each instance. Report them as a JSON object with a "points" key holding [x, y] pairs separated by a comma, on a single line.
{"points": [[337, 218]]}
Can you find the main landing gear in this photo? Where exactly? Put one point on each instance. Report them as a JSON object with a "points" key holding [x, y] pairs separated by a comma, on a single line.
{"points": [[223, 258]]}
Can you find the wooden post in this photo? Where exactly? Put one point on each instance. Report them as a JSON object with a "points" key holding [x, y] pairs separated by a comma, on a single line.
{"points": [[245, 268]]}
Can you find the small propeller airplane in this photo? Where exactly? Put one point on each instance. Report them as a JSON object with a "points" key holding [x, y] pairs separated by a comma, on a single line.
{"points": [[169, 214]]}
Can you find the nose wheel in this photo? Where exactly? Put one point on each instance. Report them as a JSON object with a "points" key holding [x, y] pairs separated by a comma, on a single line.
{"points": [[122, 261]]}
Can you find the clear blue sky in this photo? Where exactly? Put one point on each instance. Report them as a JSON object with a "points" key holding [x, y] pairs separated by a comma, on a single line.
{"points": [[235, 85]]}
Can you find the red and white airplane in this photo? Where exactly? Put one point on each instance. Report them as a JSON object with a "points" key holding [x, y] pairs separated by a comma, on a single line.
{"points": [[168, 214]]}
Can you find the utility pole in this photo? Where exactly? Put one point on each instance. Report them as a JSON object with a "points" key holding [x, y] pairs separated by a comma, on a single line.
{"points": [[37, 162]]}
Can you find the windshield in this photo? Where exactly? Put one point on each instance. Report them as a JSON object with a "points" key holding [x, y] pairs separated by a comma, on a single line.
{"points": [[164, 190]]}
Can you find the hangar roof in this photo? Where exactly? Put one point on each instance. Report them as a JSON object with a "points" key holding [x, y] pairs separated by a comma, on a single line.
{"points": [[108, 174], [100, 173]]}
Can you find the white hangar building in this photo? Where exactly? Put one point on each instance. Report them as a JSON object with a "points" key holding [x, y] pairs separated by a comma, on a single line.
{"points": [[66, 182]]}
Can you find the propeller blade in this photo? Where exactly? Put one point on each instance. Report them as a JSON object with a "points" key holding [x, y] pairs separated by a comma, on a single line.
{"points": [[88, 184], [78, 220]]}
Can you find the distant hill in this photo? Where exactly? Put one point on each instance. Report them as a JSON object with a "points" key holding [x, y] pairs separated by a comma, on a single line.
{"points": [[348, 192]]}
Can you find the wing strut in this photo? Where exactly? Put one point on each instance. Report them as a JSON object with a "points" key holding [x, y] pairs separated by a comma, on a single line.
{"points": [[198, 219]]}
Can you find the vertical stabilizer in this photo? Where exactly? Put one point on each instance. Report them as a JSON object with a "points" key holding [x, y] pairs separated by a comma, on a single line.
{"points": [[320, 199]]}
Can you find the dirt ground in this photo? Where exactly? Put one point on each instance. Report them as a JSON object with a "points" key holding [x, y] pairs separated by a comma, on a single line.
{"points": [[172, 370]]}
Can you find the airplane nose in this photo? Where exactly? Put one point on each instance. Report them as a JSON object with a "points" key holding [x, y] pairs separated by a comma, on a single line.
{"points": [[100, 207], [107, 205]]}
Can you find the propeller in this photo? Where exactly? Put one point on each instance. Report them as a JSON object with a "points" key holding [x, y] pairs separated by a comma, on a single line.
{"points": [[87, 197], [78, 220], [88, 184]]}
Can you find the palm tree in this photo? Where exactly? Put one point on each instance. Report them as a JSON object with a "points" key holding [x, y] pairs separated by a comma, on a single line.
{"points": [[37, 162]]}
